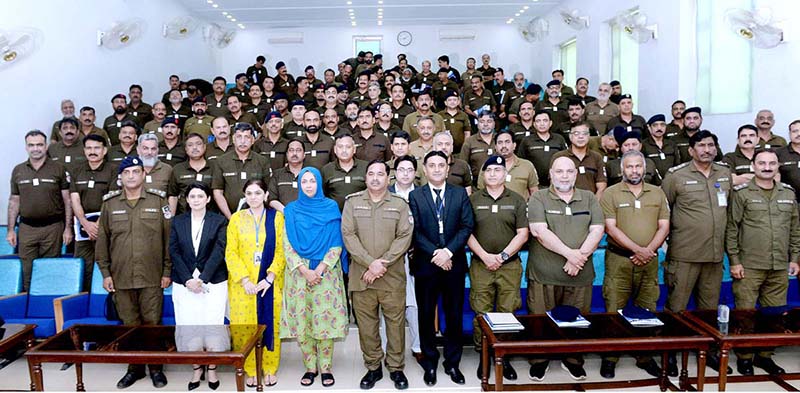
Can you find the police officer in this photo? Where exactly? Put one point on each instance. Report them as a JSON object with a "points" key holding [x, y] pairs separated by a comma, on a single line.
{"points": [[377, 228], [789, 157], [113, 123], [590, 166], [142, 112], [273, 144], [318, 147], [132, 253], [499, 232], [567, 225], [637, 222], [346, 174], [521, 176], [69, 150], [90, 181], [692, 121], [157, 173], [627, 118], [662, 151], [234, 168], [45, 213], [283, 184], [128, 134], [601, 111], [456, 121], [184, 174], [477, 148], [627, 141], [740, 161], [523, 127], [369, 144], [217, 101], [257, 72], [222, 139], [171, 150], [763, 229], [200, 122], [540, 147], [554, 105]]}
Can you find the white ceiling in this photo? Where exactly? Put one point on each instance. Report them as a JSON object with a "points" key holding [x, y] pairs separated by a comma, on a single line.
{"points": [[265, 14]]}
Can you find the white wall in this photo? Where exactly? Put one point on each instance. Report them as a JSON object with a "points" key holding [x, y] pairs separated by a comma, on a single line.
{"points": [[667, 67], [70, 65], [326, 47]]}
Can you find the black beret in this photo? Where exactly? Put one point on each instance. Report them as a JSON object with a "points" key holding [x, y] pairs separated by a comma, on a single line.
{"points": [[362, 54], [621, 134], [342, 87], [128, 162], [279, 64], [241, 75], [656, 118], [378, 56], [198, 100], [171, 120], [309, 67], [553, 82], [281, 96], [493, 160], [450, 93], [273, 115], [695, 109], [445, 70], [636, 312], [614, 83], [625, 96], [120, 95], [533, 88], [297, 103], [565, 313]]}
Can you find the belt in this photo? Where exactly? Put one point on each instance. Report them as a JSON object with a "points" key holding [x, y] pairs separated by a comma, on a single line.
{"points": [[41, 222], [619, 251]]}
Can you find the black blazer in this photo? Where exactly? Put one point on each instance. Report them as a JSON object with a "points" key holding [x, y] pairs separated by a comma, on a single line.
{"points": [[458, 224], [210, 259]]}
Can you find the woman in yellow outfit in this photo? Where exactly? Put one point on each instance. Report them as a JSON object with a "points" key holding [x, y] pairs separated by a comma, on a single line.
{"points": [[255, 260]]}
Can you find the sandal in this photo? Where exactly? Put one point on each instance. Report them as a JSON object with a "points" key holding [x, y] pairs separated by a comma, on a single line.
{"points": [[327, 379], [268, 378], [308, 376]]}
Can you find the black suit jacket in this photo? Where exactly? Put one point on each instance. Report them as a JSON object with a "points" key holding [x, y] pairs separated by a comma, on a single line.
{"points": [[210, 259], [458, 224]]}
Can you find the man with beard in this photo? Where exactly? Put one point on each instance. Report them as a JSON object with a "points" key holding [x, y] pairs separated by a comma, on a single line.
{"points": [[512, 94], [477, 148], [235, 168], [318, 148], [627, 118], [346, 174], [766, 139], [331, 102], [384, 125], [662, 151], [740, 161], [521, 176], [532, 93], [171, 150], [424, 108], [575, 111], [141, 111], [240, 89], [257, 72], [366, 64], [236, 115], [67, 110], [627, 141], [400, 106], [195, 169], [565, 91], [91, 180], [478, 99], [40, 200], [789, 157], [218, 101], [456, 121], [154, 126], [539, 147], [676, 125], [69, 151], [113, 123], [637, 222], [272, 144], [174, 84], [763, 229], [567, 225], [692, 121], [200, 123], [284, 185], [284, 81], [554, 105], [466, 76], [222, 139], [582, 90], [178, 107], [128, 133], [616, 92], [157, 173], [590, 166], [601, 111], [369, 144]]}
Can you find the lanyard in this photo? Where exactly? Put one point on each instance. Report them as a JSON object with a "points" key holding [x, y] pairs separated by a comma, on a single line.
{"points": [[257, 224]]}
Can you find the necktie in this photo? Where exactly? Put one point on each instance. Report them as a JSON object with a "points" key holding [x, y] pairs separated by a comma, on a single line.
{"points": [[439, 210]]}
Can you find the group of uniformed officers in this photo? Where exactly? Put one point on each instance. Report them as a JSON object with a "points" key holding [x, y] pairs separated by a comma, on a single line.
{"points": [[497, 172]]}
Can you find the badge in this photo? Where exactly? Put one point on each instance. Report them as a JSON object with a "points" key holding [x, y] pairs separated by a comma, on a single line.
{"points": [[67, 159], [199, 121], [294, 184], [567, 211], [167, 213], [637, 204], [555, 109], [347, 179], [148, 179], [601, 112], [255, 110], [662, 156], [272, 154], [313, 153], [35, 182], [169, 157], [452, 121], [489, 151], [629, 128], [396, 115], [135, 114], [722, 199], [243, 175], [581, 170], [508, 178], [91, 184], [219, 105], [199, 177], [605, 158], [257, 257], [159, 129], [546, 148], [527, 133], [119, 124]]}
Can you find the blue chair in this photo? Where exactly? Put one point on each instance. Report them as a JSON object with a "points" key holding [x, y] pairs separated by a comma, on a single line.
{"points": [[10, 276], [51, 278], [5, 248], [168, 309], [83, 308]]}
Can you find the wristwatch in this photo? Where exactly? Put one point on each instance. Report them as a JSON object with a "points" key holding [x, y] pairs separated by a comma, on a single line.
{"points": [[505, 256]]}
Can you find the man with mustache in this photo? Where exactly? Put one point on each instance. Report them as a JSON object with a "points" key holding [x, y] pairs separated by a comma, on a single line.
{"points": [[179, 107], [740, 161], [582, 90], [67, 110], [589, 163], [154, 126], [424, 104], [283, 185], [346, 174], [142, 112], [218, 101], [293, 125], [318, 148], [627, 118], [331, 101], [676, 125], [400, 106], [69, 151], [171, 150], [234, 168], [458, 173], [157, 173], [789, 157], [477, 99], [272, 143], [369, 144], [765, 119], [384, 124], [662, 151], [763, 229], [200, 123], [128, 134], [555, 105], [222, 139], [531, 96], [196, 169], [539, 147], [521, 176], [692, 121], [236, 115], [697, 193], [456, 121], [627, 141], [637, 223], [512, 94], [565, 91], [601, 111], [420, 147], [91, 180], [113, 123], [478, 147]]}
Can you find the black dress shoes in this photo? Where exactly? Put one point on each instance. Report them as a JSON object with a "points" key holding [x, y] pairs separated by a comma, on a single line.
{"points": [[159, 379], [455, 375], [744, 366], [607, 369], [372, 376], [399, 379], [429, 377], [508, 371], [768, 365], [129, 379]]}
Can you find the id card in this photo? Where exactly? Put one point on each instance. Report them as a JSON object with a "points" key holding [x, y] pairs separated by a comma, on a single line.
{"points": [[35, 182], [272, 154], [257, 258], [347, 180], [219, 105], [169, 157], [294, 184], [494, 208], [722, 198], [581, 170], [199, 177], [67, 159], [441, 227], [567, 211], [148, 179], [546, 148], [313, 153], [490, 151], [508, 178], [243, 175], [91, 184], [662, 156], [637, 204]]}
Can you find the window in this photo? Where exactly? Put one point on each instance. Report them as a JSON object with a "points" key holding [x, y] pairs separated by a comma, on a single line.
{"points": [[724, 61], [367, 44], [569, 55], [625, 63]]}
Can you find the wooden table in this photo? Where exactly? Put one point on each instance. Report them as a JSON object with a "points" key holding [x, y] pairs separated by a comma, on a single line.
{"points": [[141, 345], [608, 333], [749, 329], [14, 334]]}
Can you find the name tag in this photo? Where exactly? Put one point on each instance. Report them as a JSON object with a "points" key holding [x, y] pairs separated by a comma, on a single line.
{"points": [[90, 184], [527, 133], [396, 115], [199, 121], [689, 182], [567, 211], [662, 156], [119, 124], [67, 159], [494, 208], [452, 121], [767, 146], [255, 110], [441, 227], [159, 129], [199, 177], [605, 158], [489, 151], [313, 153], [219, 105], [637, 204], [722, 198], [347, 179], [272, 154], [148, 179], [135, 114], [624, 205], [508, 178], [169, 156], [35, 182], [294, 184], [555, 109], [243, 175], [546, 148], [581, 170], [602, 111]]}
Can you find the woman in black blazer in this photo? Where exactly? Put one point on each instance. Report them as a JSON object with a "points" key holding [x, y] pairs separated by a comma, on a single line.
{"points": [[200, 293]]}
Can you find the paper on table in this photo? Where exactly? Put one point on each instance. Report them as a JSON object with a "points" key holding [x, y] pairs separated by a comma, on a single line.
{"points": [[649, 322], [579, 322]]}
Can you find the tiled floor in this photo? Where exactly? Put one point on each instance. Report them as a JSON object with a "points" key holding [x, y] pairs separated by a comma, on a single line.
{"points": [[348, 370]]}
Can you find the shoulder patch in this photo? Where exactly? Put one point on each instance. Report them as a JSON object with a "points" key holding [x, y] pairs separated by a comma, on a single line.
{"points": [[112, 194], [722, 163], [157, 192], [740, 187], [354, 194], [787, 186], [677, 167]]}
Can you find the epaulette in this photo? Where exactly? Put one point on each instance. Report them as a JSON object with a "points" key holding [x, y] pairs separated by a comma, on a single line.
{"points": [[157, 192], [722, 163], [677, 167], [740, 187], [787, 186], [111, 194], [357, 193]]}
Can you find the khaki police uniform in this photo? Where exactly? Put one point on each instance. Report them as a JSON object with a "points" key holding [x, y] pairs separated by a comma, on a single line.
{"points": [[427, 79], [475, 152], [789, 160], [198, 125], [374, 147], [591, 169], [558, 111], [183, 175], [636, 122], [417, 150], [283, 186], [614, 172], [259, 110], [520, 177], [141, 114], [172, 155], [521, 131], [213, 151], [339, 183], [673, 129], [274, 152], [475, 101], [112, 124], [456, 124], [91, 185], [665, 156], [244, 98], [762, 235], [152, 127], [68, 156], [217, 108], [230, 174], [399, 114], [319, 153], [158, 177], [509, 96], [498, 90], [373, 230], [496, 224], [439, 90], [292, 129], [410, 124], [738, 163], [599, 116], [596, 144], [540, 152], [117, 153], [696, 242], [682, 142], [244, 117], [773, 142], [41, 212]]}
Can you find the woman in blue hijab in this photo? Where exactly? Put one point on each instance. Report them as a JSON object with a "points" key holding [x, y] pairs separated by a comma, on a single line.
{"points": [[314, 310]]}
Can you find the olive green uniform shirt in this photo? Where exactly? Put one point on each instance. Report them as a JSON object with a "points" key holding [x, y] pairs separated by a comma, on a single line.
{"points": [[475, 152], [39, 190], [637, 217], [213, 151], [338, 183], [456, 124], [158, 177], [599, 116], [217, 108], [283, 186], [591, 169], [540, 152], [141, 114], [183, 175], [375, 147], [789, 168], [596, 144], [174, 155], [244, 117], [230, 174], [410, 124], [112, 125], [439, 90], [738, 163], [520, 178], [458, 173], [319, 153], [558, 112], [274, 152], [92, 184], [116, 153], [199, 125], [665, 157], [497, 221], [69, 156], [521, 131], [614, 172], [399, 114]]}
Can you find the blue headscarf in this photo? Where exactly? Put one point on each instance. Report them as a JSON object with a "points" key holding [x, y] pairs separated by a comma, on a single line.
{"points": [[313, 224]]}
